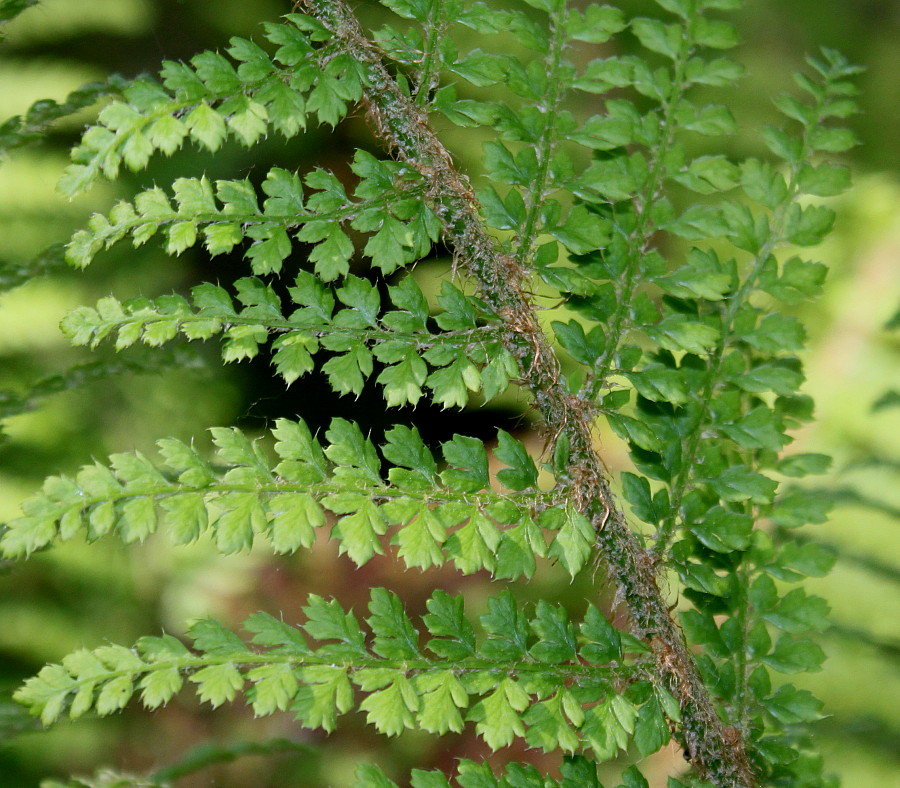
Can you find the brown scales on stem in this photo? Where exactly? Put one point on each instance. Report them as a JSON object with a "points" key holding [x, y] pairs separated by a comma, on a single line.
{"points": [[718, 752]]}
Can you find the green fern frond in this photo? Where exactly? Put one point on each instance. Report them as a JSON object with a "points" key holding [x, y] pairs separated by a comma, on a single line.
{"points": [[50, 260], [105, 778], [755, 354], [435, 517], [211, 100], [210, 753], [576, 770], [21, 130], [532, 660], [14, 403], [403, 228], [465, 355]]}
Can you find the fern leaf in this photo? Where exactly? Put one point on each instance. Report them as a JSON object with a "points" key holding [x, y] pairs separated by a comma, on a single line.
{"points": [[248, 497], [526, 654], [450, 365], [227, 214], [210, 100]]}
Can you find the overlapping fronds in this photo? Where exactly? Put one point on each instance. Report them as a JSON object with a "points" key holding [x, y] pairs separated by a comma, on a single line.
{"points": [[666, 267]]}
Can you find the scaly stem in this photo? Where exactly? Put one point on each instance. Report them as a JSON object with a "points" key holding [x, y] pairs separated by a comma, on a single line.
{"points": [[717, 753]]}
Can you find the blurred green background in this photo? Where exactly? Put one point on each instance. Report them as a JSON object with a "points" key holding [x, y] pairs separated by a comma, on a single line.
{"points": [[83, 596]]}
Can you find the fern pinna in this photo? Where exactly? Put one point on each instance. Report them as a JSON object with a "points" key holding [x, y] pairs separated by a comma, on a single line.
{"points": [[668, 270]]}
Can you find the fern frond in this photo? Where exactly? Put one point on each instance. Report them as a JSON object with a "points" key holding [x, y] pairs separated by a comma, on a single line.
{"points": [[530, 154], [532, 660], [211, 100], [642, 157], [196, 759], [105, 778], [21, 130], [464, 355], [50, 260], [574, 770], [390, 206], [756, 351], [435, 517], [14, 403], [209, 754]]}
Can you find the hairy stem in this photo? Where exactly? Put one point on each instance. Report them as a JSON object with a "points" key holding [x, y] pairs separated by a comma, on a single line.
{"points": [[719, 754]]}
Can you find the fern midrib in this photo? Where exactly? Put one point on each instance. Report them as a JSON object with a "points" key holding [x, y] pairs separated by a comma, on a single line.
{"points": [[549, 137], [422, 340], [287, 221], [406, 665], [532, 500]]}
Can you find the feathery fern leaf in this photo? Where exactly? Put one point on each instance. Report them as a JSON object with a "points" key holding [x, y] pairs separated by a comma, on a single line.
{"points": [[532, 659], [464, 353], [404, 229], [211, 100], [434, 516]]}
